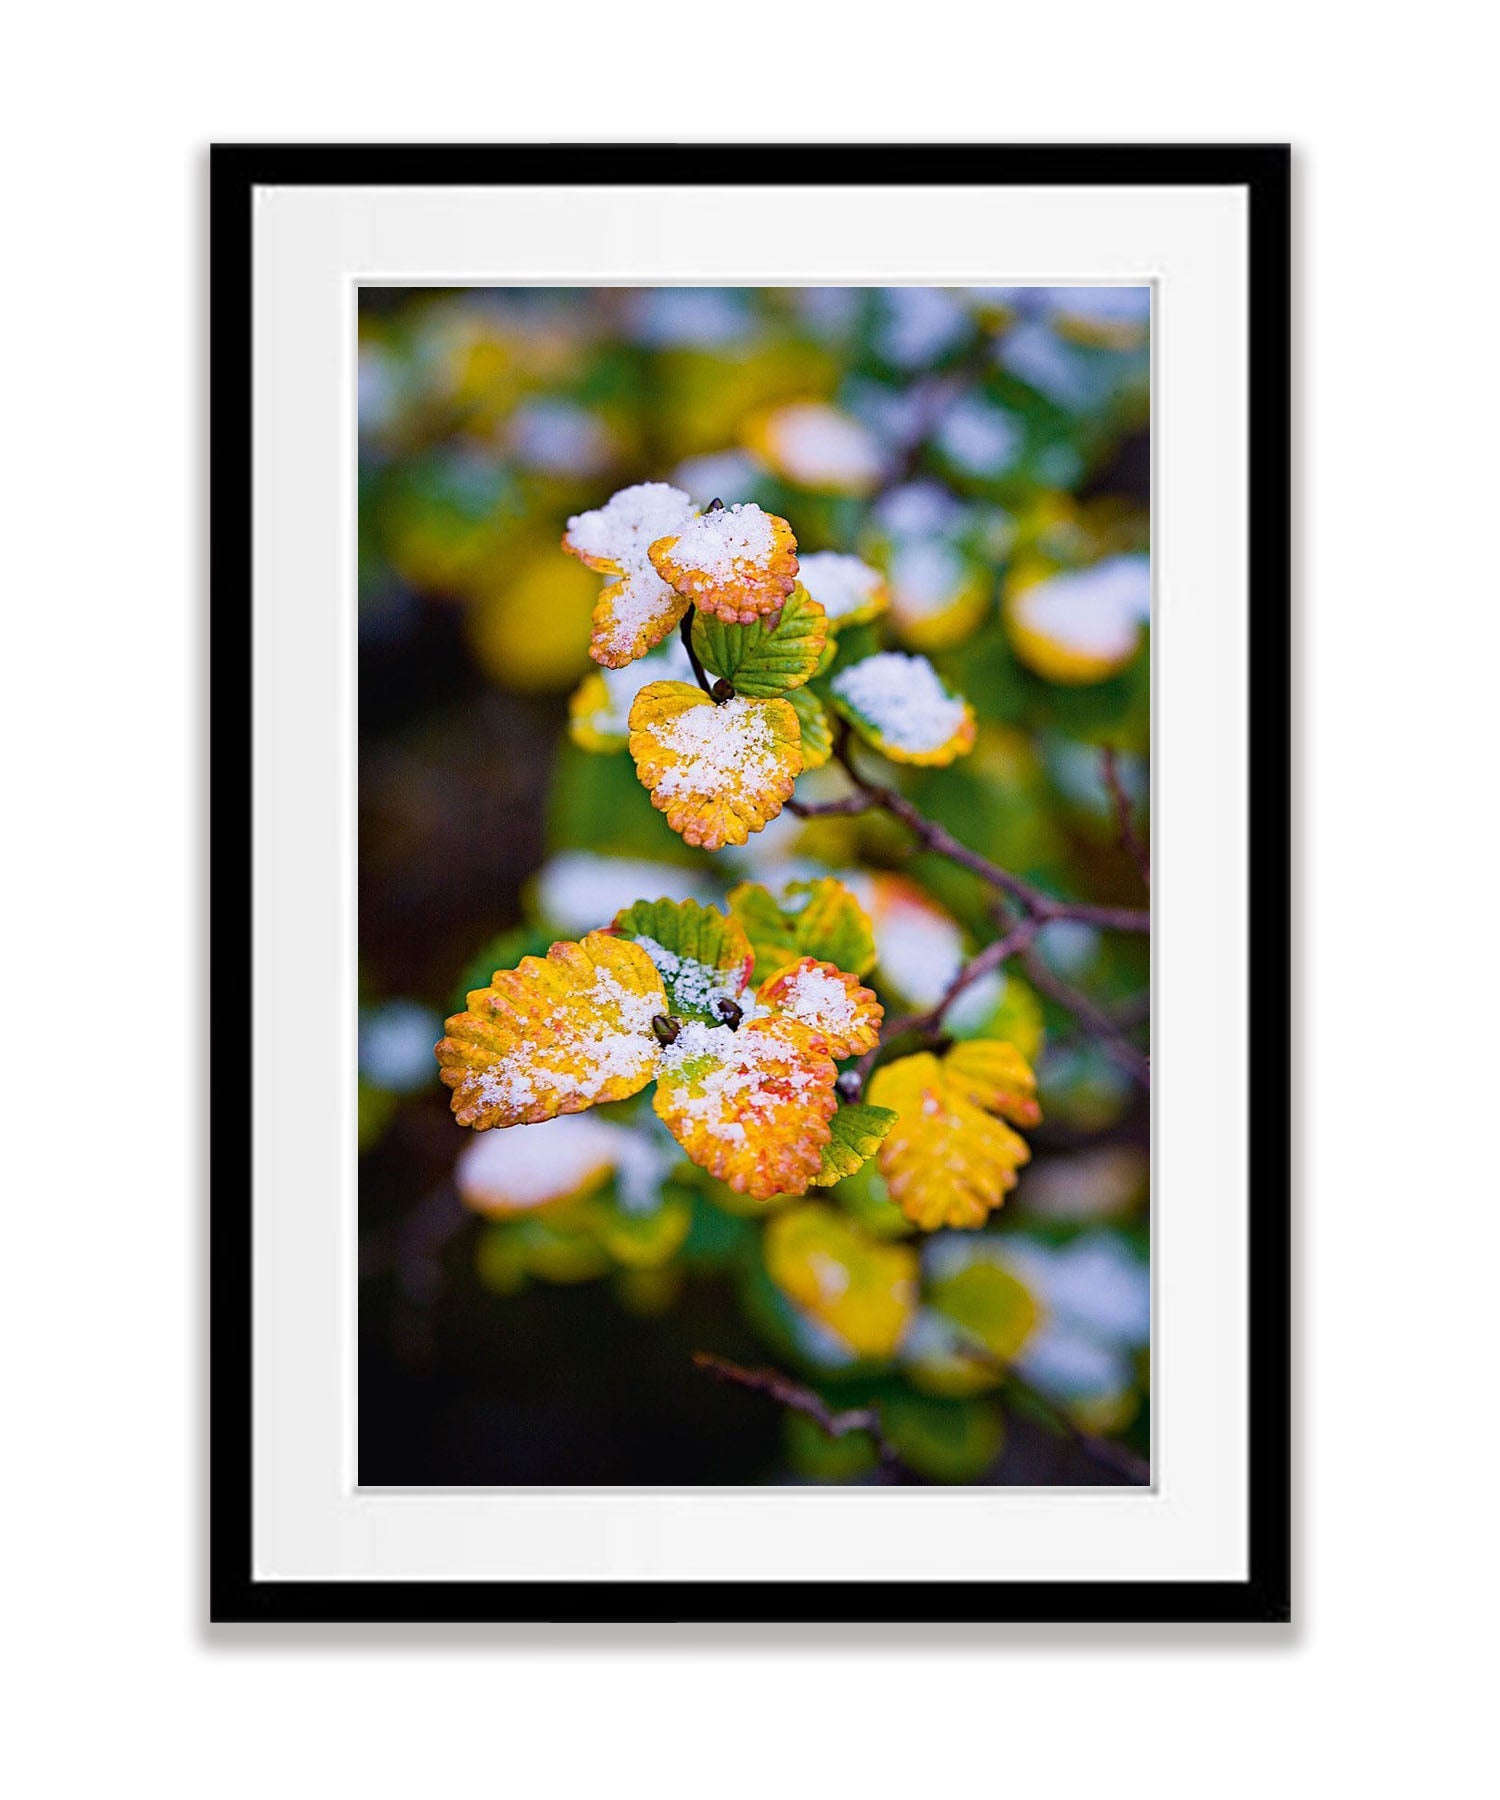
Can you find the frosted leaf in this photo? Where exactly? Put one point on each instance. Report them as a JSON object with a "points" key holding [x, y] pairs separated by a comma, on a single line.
{"points": [[718, 772], [829, 1002], [899, 704], [1082, 626], [639, 608], [849, 590], [555, 1035], [815, 446], [736, 562], [751, 1106], [504, 1174]]}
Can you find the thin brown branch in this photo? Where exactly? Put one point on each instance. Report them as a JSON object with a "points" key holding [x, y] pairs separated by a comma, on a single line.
{"points": [[1128, 837], [798, 1399], [699, 672], [870, 795], [930, 1022], [1103, 1452], [1095, 1020]]}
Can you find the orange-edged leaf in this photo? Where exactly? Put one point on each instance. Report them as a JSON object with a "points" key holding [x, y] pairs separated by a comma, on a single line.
{"points": [[736, 562], [834, 1005], [555, 1035], [951, 1158], [718, 772], [855, 1134], [899, 704], [751, 1106], [849, 591], [819, 918], [639, 608], [862, 1290], [702, 957], [762, 659]]}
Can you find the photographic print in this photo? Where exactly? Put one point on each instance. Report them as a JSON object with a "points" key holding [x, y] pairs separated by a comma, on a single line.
{"points": [[754, 709]]}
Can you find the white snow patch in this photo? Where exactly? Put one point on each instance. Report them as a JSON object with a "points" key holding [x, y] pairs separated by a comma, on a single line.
{"points": [[903, 699]]}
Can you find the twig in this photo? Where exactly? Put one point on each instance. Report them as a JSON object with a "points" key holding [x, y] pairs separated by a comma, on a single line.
{"points": [[699, 672], [1089, 1014], [929, 1022], [1129, 838], [798, 1399], [869, 796], [1103, 1452]]}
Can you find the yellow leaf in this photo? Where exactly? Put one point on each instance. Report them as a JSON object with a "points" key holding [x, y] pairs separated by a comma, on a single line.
{"points": [[828, 1001], [1079, 626], [862, 1290], [736, 562], [751, 1106], [555, 1035], [639, 608], [899, 704], [717, 771], [950, 1159]]}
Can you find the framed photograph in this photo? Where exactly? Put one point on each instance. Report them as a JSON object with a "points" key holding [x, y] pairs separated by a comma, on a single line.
{"points": [[750, 768]]}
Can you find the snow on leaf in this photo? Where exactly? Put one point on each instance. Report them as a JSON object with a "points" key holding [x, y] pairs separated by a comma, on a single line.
{"points": [[736, 562], [1083, 625], [855, 1134], [828, 1002], [849, 590], [751, 1106], [508, 1176], [951, 1158], [639, 608], [718, 772], [813, 722], [702, 957], [555, 1035], [862, 1290], [765, 658], [899, 704], [819, 918]]}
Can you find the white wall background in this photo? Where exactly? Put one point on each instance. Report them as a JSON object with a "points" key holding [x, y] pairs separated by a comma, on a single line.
{"points": [[1381, 1686]]}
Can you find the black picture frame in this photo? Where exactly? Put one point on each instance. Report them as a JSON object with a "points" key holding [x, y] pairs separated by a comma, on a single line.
{"points": [[1263, 171]]}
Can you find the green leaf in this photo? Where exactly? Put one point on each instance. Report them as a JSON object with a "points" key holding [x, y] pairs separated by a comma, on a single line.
{"points": [[857, 1131], [764, 661], [821, 919], [989, 1305], [816, 728], [945, 1440], [701, 956]]}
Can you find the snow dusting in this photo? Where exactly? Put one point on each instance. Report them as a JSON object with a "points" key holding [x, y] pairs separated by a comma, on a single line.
{"points": [[749, 1076], [617, 537], [1097, 611], [719, 749], [840, 584], [690, 984], [526, 1166], [902, 697], [734, 540]]}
